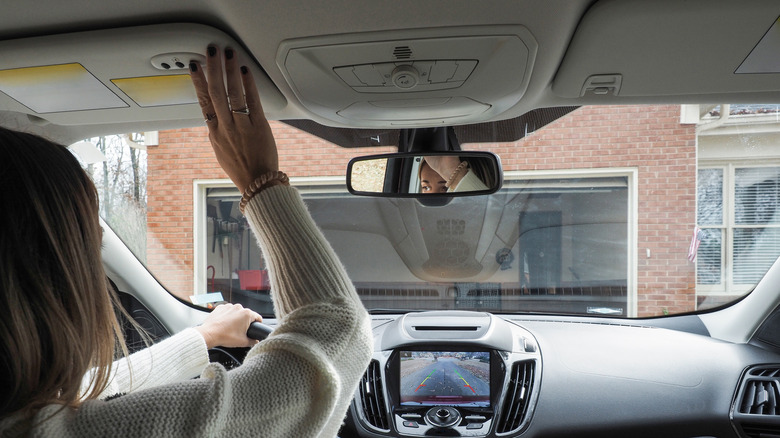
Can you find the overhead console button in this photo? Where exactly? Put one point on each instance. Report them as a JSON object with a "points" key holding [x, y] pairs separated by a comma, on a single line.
{"points": [[463, 70], [368, 76], [443, 71], [405, 76]]}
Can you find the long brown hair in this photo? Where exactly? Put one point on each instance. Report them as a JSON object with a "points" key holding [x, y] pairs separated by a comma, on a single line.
{"points": [[58, 317]]}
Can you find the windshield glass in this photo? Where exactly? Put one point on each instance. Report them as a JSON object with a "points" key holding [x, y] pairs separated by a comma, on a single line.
{"points": [[624, 211]]}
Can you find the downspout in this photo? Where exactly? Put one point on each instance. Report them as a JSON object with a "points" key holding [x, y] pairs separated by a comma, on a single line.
{"points": [[724, 116]]}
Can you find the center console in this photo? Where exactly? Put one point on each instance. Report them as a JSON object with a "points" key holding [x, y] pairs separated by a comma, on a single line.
{"points": [[448, 374], [430, 387]]}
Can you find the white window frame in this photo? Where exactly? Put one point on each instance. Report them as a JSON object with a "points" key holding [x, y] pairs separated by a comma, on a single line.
{"points": [[727, 286]]}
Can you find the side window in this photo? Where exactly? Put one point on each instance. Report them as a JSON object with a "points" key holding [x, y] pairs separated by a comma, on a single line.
{"points": [[117, 165]]}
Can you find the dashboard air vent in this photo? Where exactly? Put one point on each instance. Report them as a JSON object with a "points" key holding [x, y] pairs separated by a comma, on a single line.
{"points": [[756, 410], [760, 397], [765, 372], [518, 394], [757, 431], [372, 397]]}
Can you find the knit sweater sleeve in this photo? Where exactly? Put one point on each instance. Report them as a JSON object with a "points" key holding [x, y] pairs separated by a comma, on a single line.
{"points": [[298, 256], [182, 356], [298, 382], [470, 183]]}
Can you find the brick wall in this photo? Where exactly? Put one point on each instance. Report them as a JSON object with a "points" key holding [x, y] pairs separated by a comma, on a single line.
{"points": [[650, 139]]}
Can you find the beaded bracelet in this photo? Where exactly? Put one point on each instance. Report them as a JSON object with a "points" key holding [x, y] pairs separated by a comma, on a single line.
{"points": [[461, 166], [261, 183]]}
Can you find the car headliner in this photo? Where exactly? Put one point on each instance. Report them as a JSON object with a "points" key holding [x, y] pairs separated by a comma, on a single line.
{"points": [[664, 51]]}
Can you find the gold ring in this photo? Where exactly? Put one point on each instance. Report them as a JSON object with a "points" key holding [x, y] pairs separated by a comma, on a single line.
{"points": [[244, 111]]}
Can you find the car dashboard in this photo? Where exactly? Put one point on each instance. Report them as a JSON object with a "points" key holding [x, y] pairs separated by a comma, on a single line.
{"points": [[475, 374]]}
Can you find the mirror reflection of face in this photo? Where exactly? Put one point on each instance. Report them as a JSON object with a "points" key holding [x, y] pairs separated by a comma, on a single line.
{"points": [[430, 181]]}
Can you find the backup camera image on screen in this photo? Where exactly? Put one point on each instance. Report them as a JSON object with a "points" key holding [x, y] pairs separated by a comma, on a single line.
{"points": [[456, 378]]}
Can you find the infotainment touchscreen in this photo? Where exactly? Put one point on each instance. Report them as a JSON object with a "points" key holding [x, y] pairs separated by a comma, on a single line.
{"points": [[455, 378]]}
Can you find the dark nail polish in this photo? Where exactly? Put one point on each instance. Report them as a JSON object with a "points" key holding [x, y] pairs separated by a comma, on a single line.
{"points": [[212, 50], [229, 53], [244, 70], [193, 66]]}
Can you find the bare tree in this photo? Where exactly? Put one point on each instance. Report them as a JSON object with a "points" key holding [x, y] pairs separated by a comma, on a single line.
{"points": [[121, 182], [135, 150]]}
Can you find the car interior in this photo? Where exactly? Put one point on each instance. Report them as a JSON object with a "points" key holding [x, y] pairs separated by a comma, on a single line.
{"points": [[541, 302]]}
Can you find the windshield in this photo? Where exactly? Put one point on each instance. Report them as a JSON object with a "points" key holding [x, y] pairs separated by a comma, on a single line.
{"points": [[625, 211]]}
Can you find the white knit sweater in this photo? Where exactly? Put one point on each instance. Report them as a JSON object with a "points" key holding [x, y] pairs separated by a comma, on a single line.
{"points": [[180, 357], [297, 383]]}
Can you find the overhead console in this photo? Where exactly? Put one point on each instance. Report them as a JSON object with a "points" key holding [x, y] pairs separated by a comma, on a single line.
{"points": [[418, 77], [449, 374]]}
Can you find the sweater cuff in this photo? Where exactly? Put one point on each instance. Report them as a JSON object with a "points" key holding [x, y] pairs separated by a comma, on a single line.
{"points": [[193, 355], [180, 357]]}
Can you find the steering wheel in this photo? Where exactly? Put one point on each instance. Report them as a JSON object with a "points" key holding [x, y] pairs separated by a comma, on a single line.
{"points": [[233, 357], [258, 331]]}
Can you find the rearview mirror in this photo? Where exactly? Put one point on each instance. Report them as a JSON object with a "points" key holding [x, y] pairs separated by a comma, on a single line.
{"points": [[414, 174]]}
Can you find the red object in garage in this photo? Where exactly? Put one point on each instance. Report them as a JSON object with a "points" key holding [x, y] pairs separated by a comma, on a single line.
{"points": [[254, 279]]}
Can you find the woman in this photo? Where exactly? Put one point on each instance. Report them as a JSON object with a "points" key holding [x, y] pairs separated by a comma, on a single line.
{"points": [[430, 180], [461, 176], [59, 322]]}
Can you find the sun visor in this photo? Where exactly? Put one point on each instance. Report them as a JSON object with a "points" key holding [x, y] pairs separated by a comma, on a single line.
{"points": [[638, 49], [764, 57], [56, 88], [419, 77], [123, 75], [158, 90]]}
